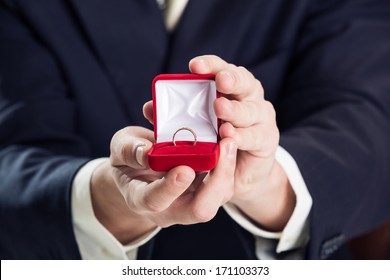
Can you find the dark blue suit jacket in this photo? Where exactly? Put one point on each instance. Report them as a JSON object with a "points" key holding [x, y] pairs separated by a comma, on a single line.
{"points": [[73, 72]]}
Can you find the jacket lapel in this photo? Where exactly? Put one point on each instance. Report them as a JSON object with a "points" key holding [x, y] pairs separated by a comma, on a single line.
{"points": [[130, 41]]}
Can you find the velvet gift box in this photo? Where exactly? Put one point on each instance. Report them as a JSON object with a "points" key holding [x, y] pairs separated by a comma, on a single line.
{"points": [[185, 124]]}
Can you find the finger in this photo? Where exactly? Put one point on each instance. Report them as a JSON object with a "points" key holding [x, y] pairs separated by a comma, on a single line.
{"points": [[261, 140], [160, 194], [238, 113], [240, 83], [148, 111], [130, 147], [218, 186], [229, 78], [197, 182], [127, 179], [207, 64]]}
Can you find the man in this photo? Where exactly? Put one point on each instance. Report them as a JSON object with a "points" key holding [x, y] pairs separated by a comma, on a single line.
{"points": [[75, 76]]}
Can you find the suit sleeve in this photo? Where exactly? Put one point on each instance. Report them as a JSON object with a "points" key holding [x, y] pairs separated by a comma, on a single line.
{"points": [[334, 118], [39, 149]]}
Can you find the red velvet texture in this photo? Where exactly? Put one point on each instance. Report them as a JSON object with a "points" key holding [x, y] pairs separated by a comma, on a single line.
{"points": [[201, 157]]}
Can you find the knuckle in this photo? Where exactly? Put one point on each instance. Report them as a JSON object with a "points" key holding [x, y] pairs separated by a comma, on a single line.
{"points": [[114, 141], [125, 152], [231, 66], [270, 114], [118, 134], [242, 73], [258, 84], [259, 88], [151, 205], [212, 56], [242, 70], [201, 214], [270, 107], [245, 73], [112, 160]]}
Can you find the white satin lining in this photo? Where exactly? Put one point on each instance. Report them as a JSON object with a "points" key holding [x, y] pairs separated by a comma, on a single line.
{"points": [[189, 104]]}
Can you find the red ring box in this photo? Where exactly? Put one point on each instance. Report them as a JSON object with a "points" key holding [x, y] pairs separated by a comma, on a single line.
{"points": [[184, 101]]}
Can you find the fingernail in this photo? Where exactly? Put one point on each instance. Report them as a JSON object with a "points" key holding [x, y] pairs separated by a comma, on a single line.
{"points": [[231, 150], [139, 153]]}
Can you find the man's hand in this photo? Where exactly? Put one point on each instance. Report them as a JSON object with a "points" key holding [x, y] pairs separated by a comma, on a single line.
{"points": [[130, 199], [261, 188]]}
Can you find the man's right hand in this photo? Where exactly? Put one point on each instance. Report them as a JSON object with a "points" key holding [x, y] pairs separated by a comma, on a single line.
{"points": [[130, 199]]}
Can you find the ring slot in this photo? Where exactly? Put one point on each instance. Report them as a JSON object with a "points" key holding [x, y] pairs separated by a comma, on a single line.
{"points": [[184, 128]]}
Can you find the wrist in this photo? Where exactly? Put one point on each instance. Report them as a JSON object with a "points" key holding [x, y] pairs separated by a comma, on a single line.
{"points": [[269, 203], [111, 210]]}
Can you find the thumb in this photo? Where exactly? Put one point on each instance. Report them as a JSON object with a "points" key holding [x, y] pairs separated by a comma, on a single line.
{"points": [[130, 147]]}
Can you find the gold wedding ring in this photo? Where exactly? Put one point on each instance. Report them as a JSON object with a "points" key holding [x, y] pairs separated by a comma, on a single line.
{"points": [[184, 128]]}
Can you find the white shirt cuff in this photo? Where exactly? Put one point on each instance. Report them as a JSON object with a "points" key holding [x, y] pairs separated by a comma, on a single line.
{"points": [[295, 235], [296, 232], [93, 239]]}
